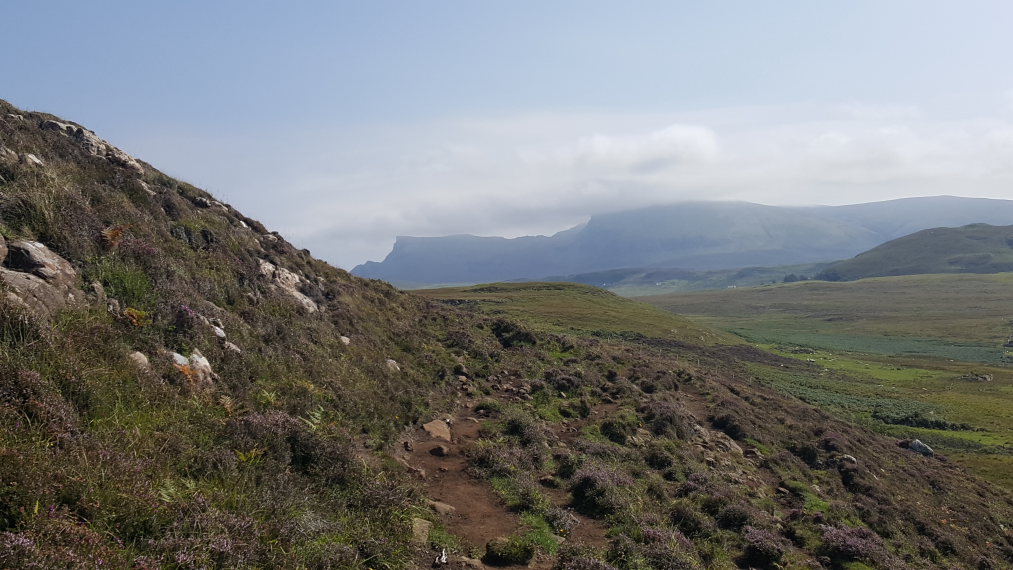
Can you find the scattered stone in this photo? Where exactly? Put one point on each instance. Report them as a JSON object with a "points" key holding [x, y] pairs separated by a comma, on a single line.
{"points": [[219, 332], [548, 481], [918, 447], [232, 347], [288, 282], [94, 145], [179, 360], [850, 459], [467, 563], [975, 378], [16, 117], [38, 278], [392, 365], [440, 451], [31, 160], [345, 340], [420, 530], [139, 360], [441, 508], [437, 429]]}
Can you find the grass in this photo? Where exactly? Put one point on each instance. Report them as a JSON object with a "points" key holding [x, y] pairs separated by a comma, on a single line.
{"points": [[893, 347], [580, 309]]}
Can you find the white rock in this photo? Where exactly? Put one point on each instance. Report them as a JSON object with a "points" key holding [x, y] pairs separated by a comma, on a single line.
{"points": [[179, 360], [392, 365], [230, 346], [345, 340], [219, 332], [139, 360]]}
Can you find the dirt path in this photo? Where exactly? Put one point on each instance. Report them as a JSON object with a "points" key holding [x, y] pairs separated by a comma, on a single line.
{"points": [[478, 515]]}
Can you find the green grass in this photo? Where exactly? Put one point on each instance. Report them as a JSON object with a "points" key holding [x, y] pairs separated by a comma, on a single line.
{"points": [[573, 308]]}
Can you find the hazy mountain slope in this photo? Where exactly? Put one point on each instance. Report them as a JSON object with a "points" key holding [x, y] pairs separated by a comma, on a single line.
{"points": [[976, 248], [180, 388], [693, 235]]}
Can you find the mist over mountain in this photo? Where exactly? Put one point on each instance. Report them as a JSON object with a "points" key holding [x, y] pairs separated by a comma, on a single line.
{"points": [[690, 235]]}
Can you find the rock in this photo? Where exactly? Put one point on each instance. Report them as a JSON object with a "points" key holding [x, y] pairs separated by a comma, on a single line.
{"points": [[31, 160], [467, 563], [100, 292], [288, 282], [850, 459], [3, 248], [201, 367], [40, 279], [918, 447], [420, 530], [219, 332], [345, 340], [179, 360], [93, 144], [440, 451], [441, 508], [437, 429], [232, 347], [139, 360], [392, 365]]}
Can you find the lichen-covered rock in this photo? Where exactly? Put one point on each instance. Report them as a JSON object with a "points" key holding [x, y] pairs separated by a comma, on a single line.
{"points": [[437, 429], [420, 530], [918, 447], [38, 278], [288, 282], [93, 144]]}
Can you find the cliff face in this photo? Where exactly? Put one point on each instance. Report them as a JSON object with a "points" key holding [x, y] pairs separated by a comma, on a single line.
{"points": [[693, 235], [181, 388]]}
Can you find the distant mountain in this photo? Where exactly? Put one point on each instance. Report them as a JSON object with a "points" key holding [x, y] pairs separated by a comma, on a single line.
{"points": [[976, 248], [691, 235]]}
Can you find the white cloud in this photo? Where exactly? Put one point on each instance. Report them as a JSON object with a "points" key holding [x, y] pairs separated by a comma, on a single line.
{"points": [[346, 193]]}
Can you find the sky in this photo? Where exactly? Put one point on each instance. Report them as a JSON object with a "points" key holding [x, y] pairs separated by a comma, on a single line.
{"points": [[344, 124]]}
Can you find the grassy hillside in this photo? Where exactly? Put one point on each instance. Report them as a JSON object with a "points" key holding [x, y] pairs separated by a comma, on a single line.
{"points": [[580, 309], [181, 388], [977, 248], [901, 341]]}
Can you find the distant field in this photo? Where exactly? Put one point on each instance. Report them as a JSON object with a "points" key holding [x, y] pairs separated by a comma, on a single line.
{"points": [[890, 347], [569, 307], [960, 317]]}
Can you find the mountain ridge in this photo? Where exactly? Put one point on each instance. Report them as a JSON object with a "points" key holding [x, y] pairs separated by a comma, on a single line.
{"points": [[690, 235]]}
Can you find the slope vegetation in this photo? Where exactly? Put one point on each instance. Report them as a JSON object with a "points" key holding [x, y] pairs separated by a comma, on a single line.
{"points": [[182, 388], [977, 248]]}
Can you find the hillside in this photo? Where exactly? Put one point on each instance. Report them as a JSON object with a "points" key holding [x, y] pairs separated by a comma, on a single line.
{"points": [[182, 388], [692, 235], [976, 248]]}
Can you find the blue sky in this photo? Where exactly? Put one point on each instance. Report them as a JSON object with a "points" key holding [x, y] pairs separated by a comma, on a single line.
{"points": [[343, 124]]}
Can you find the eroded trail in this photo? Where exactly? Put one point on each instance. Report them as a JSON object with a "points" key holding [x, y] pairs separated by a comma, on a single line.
{"points": [[468, 506]]}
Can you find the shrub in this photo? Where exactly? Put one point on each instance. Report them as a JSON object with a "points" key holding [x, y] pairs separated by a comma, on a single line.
{"points": [[620, 427], [763, 547], [507, 551], [600, 490], [847, 543], [666, 419]]}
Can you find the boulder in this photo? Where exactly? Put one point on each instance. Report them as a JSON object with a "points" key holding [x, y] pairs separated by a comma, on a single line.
{"points": [[441, 508], [437, 429], [287, 282], [31, 160], [918, 447], [420, 530], [38, 278], [139, 360]]}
